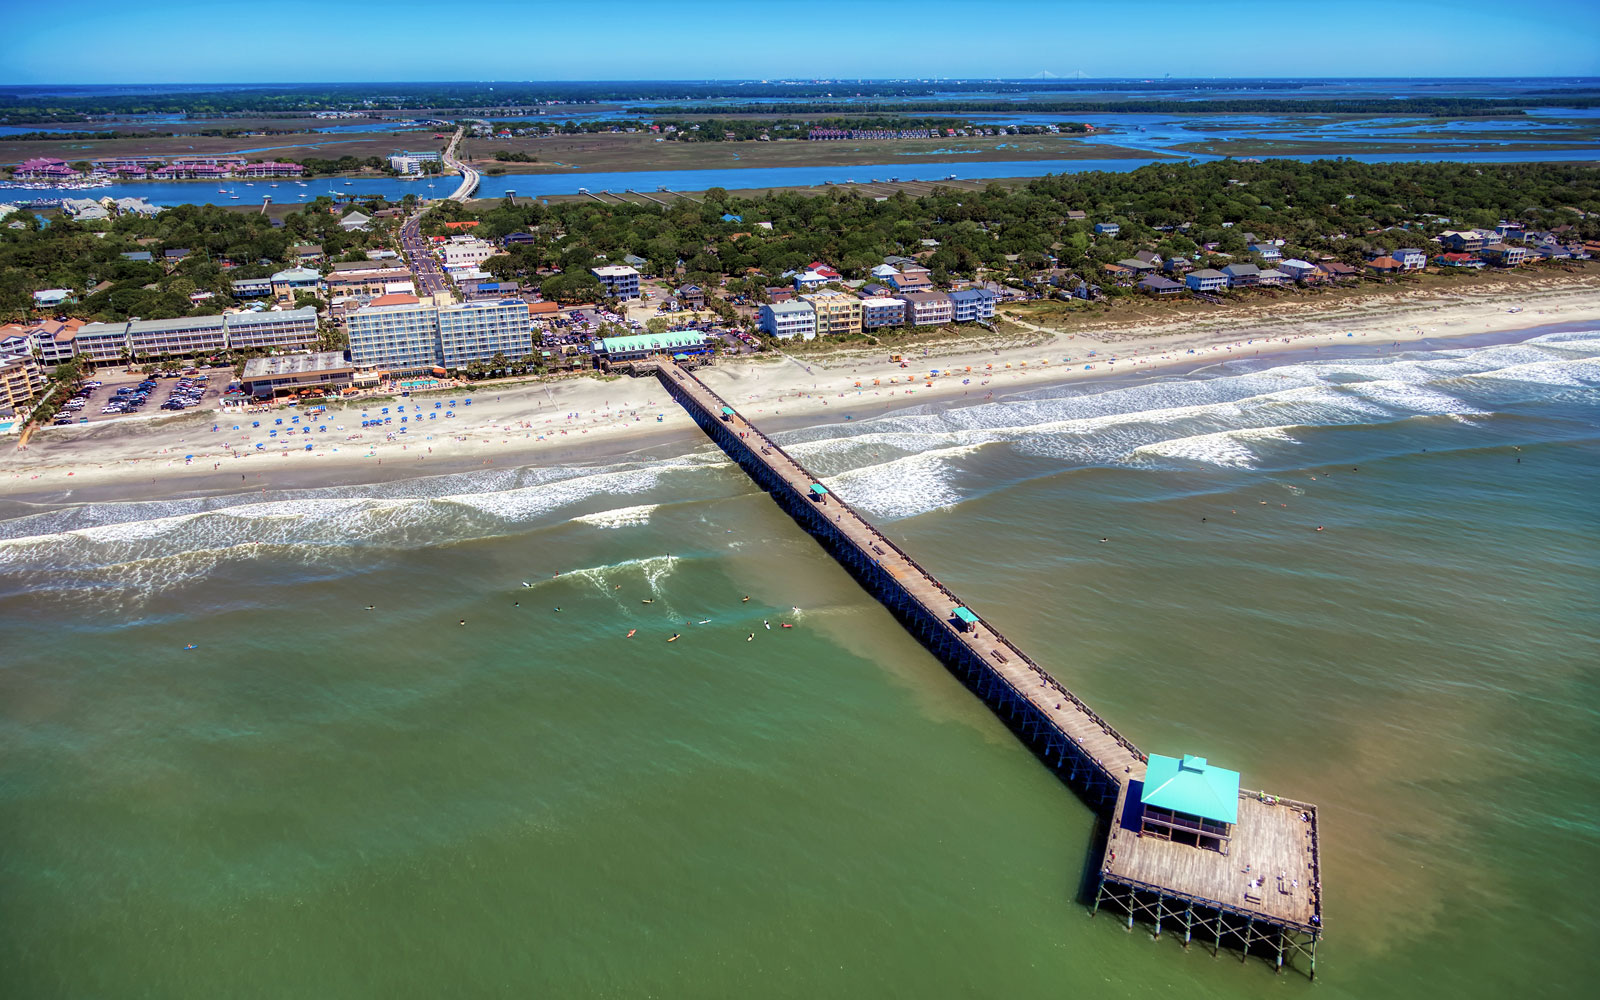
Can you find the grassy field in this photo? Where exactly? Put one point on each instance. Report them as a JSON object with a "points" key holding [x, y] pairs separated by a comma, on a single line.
{"points": [[620, 152], [1291, 147], [914, 189]]}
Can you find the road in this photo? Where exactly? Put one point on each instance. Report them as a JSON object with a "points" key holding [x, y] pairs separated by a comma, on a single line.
{"points": [[469, 176], [430, 277]]}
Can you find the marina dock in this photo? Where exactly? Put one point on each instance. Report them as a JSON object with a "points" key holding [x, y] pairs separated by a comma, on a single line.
{"points": [[1258, 893]]}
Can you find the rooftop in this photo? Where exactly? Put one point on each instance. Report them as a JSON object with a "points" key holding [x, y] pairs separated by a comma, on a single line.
{"points": [[296, 364], [1191, 786]]}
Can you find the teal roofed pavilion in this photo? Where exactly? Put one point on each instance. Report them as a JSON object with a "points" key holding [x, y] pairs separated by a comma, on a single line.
{"points": [[1189, 800]]}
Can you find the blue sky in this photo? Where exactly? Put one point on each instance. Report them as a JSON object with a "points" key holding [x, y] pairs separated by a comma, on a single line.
{"points": [[181, 41]]}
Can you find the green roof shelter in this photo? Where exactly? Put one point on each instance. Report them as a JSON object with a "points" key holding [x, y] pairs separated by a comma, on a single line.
{"points": [[965, 618], [727, 413], [819, 492], [1189, 800]]}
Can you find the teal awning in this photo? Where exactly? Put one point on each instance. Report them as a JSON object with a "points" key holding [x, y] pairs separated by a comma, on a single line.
{"points": [[819, 489], [727, 411], [1191, 786], [966, 616]]}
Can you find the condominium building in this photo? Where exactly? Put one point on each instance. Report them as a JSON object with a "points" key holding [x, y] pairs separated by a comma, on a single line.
{"points": [[100, 342], [928, 308], [154, 338], [971, 304], [882, 311], [785, 320], [394, 331], [837, 313], [20, 379], [477, 331], [286, 328], [620, 281]]}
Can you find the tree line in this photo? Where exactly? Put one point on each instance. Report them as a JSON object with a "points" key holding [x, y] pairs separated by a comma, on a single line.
{"points": [[1339, 208]]}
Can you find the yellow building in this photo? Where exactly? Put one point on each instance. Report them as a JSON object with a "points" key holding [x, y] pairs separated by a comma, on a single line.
{"points": [[20, 379], [836, 312]]}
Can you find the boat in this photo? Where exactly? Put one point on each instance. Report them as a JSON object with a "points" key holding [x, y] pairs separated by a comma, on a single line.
{"points": [[234, 197]]}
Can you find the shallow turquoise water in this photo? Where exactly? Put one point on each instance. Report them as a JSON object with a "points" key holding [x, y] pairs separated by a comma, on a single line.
{"points": [[321, 800]]}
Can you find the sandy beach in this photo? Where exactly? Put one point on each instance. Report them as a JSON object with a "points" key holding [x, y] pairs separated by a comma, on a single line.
{"points": [[580, 420]]}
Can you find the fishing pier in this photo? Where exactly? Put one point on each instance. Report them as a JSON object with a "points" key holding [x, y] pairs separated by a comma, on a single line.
{"points": [[1250, 884]]}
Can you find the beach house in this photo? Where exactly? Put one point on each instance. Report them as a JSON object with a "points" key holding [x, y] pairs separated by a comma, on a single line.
{"points": [[786, 320], [1205, 280]]}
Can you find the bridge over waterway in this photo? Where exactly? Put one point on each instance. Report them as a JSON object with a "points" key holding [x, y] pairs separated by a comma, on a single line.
{"points": [[1259, 894]]}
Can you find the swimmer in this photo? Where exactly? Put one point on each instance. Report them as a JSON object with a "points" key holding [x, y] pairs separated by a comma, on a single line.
{"points": [[462, 622], [372, 607], [751, 637]]}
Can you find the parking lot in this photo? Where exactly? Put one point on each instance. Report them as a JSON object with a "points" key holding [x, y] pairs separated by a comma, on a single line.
{"points": [[118, 395]]}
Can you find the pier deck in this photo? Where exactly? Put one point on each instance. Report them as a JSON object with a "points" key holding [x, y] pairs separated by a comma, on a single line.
{"points": [[1143, 876]]}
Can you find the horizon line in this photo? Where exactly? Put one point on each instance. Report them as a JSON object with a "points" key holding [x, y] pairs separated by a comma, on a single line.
{"points": [[799, 79]]}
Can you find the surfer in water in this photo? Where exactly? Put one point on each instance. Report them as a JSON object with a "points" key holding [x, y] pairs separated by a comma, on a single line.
{"points": [[630, 633], [674, 637]]}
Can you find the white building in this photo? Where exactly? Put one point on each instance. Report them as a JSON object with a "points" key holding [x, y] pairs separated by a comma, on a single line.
{"points": [[1205, 280], [477, 331], [785, 320], [466, 251], [620, 281]]}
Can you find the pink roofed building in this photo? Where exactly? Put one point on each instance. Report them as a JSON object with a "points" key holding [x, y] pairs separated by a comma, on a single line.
{"points": [[45, 168], [271, 168]]}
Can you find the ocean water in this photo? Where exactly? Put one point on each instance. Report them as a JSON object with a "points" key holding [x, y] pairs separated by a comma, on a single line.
{"points": [[321, 800]]}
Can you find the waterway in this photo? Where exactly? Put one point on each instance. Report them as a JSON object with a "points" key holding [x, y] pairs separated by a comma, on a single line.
{"points": [[321, 800], [542, 185]]}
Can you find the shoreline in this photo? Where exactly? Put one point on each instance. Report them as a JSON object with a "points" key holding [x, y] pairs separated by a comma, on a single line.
{"points": [[590, 421]]}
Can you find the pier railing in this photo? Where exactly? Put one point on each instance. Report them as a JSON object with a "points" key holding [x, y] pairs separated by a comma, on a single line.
{"points": [[770, 446]]}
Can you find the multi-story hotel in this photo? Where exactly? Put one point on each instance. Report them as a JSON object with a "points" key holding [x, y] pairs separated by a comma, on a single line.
{"points": [[477, 331], [396, 332], [402, 332]]}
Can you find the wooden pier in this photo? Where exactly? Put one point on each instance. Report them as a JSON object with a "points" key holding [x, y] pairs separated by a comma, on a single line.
{"points": [[1262, 897]]}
